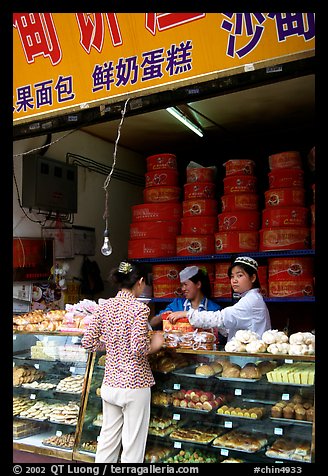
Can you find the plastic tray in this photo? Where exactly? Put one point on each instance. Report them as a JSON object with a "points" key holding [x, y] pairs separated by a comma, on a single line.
{"points": [[237, 379], [291, 420]]}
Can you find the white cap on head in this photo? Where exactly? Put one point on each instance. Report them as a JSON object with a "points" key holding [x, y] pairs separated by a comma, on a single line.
{"points": [[188, 273], [246, 260]]}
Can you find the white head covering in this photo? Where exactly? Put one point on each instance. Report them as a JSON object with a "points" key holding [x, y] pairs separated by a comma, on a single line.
{"points": [[188, 273], [246, 260]]}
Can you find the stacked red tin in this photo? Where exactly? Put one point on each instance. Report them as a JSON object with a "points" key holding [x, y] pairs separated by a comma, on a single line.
{"points": [[166, 280], [239, 221], [199, 211], [285, 216], [291, 276], [156, 222]]}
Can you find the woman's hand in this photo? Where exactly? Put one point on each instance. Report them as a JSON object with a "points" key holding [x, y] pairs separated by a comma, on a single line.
{"points": [[174, 316], [156, 342]]}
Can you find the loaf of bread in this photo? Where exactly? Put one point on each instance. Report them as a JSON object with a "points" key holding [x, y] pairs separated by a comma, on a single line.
{"points": [[204, 369], [232, 371], [250, 370]]}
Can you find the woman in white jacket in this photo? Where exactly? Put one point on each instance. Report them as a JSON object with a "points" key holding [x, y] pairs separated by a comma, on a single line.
{"points": [[250, 311]]}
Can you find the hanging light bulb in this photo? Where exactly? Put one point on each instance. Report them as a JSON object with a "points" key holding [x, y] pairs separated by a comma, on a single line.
{"points": [[106, 248]]}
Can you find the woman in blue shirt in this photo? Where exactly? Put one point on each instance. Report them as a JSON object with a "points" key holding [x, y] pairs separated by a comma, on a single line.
{"points": [[196, 288]]}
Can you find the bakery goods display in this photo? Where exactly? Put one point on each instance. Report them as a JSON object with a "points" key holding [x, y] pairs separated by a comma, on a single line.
{"points": [[203, 436], [90, 446], [26, 374], [242, 411], [273, 341], [301, 373], [241, 440], [160, 426], [156, 454], [25, 428], [199, 456], [65, 440], [295, 408], [290, 449], [71, 384], [197, 399]]}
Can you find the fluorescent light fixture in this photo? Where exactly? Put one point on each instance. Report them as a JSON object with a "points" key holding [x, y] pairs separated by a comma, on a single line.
{"points": [[187, 122]]}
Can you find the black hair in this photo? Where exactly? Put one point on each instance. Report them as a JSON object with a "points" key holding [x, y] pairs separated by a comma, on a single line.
{"points": [[249, 270], [202, 276], [127, 274]]}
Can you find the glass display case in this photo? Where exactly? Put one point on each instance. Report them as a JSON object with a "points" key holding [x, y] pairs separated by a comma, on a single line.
{"points": [[50, 374], [266, 414]]}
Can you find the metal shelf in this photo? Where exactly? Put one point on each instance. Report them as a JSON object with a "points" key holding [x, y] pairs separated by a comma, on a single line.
{"points": [[228, 256]]}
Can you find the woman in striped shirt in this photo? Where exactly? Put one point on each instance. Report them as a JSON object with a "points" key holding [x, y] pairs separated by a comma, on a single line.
{"points": [[121, 323]]}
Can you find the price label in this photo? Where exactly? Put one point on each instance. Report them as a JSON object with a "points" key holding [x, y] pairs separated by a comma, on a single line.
{"points": [[72, 369], [249, 67], [176, 416], [285, 396], [176, 386], [75, 339], [228, 424], [238, 391], [32, 396], [59, 433], [98, 438], [278, 431], [224, 452], [289, 361], [37, 366], [14, 337], [14, 364], [177, 444]]}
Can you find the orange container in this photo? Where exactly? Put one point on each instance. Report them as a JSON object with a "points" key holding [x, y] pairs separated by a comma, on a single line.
{"points": [[294, 267], [199, 190], [239, 184], [200, 174], [181, 325], [282, 178], [286, 160], [236, 241], [239, 220], [239, 201], [285, 216], [167, 177], [167, 290], [291, 288], [284, 238], [151, 248], [193, 245], [199, 207], [285, 197], [161, 161], [239, 167], [156, 212], [161, 194], [221, 271], [262, 273], [198, 225], [222, 290], [166, 274], [155, 229]]}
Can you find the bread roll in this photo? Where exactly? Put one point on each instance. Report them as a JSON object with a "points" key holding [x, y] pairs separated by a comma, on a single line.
{"points": [[250, 370], [204, 369], [232, 372]]}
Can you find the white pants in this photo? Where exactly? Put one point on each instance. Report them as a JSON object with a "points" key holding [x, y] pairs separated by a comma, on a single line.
{"points": [[126, 414]]}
